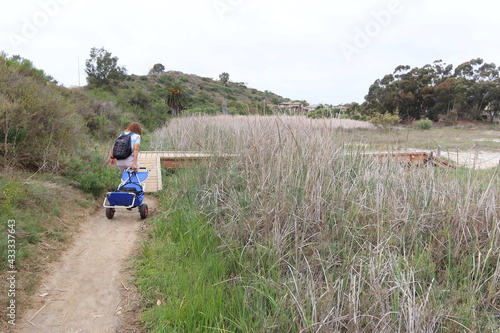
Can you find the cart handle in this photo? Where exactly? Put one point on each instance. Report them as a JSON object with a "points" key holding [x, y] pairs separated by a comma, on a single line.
{"points": [[129, 169]]}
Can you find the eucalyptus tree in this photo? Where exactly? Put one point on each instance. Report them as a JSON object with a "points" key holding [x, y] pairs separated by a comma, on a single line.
{"points": [[470, 90]]}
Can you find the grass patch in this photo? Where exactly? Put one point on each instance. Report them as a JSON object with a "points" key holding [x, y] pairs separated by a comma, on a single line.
{"points": [[193, 281], [181, 272], [46, 212]]}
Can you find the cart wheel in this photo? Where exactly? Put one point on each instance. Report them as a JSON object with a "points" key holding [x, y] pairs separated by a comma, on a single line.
{"points": [[110, 212], [143, 209]]}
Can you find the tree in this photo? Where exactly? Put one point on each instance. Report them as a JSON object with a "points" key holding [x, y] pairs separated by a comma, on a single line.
{"points": [[176, 98], [102, 69], [157, 69], [479, 97], [224, 78], [472, 90]]}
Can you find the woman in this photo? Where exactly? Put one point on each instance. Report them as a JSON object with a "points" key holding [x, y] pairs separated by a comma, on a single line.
{"points": [[135, 141]]}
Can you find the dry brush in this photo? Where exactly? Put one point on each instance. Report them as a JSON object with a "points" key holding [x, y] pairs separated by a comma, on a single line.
{"points": [[341, 242]]}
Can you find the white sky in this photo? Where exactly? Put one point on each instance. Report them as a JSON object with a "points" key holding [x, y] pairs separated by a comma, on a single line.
{"points": [[322, 51]]}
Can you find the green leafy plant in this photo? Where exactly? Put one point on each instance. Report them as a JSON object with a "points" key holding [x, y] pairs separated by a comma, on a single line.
{"points": [[424, 124], [385, 121], [92, 174]]}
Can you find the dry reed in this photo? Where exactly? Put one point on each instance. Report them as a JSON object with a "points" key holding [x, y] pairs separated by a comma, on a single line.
{"points": [[349, 243]]}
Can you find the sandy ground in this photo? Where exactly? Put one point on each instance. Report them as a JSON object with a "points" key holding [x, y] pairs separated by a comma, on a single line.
{"points": [[474, 159], [88, 289]]}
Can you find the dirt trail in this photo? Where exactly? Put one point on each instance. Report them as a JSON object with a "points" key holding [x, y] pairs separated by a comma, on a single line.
{"points": [[88, 289]]}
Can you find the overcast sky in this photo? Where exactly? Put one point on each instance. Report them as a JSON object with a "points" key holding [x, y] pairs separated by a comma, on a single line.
{"points": [[322, 51]]}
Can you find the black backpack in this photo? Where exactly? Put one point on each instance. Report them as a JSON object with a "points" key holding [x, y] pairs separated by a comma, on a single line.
{"points": [[123, 147]]}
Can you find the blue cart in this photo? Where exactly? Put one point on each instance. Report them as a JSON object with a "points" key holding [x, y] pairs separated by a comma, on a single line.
{"points": [[129, 194]]}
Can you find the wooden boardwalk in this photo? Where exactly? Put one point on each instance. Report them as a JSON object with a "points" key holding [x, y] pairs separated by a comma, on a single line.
{"points": [[414, 158], [155, 160]]}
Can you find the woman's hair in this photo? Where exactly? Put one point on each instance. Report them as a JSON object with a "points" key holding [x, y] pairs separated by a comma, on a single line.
{"points": [[134, 127]]}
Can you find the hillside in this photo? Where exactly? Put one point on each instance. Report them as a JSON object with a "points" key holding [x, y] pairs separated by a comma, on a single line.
{"points": [[46, 126], [206, 92], [69, 122], [145, 96]]}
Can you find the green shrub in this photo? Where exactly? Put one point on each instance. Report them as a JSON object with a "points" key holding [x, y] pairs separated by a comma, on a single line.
{"points": [[166, 79], [92, 174], [385, 121], [323, 113], [207, 110], [425, 124], [182, 78], [214, 88]]}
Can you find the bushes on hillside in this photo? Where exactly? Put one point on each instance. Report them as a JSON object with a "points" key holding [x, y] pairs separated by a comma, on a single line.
{"points": [[102, 119], [44, 125], [38, 129], [146, 96]]}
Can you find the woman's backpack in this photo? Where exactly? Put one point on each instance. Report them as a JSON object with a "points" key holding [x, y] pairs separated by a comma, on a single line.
{"points": [[123, 147]]}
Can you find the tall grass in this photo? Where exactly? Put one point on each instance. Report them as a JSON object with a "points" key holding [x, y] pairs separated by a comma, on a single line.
{"points": [[229, 134], [324, 239]]}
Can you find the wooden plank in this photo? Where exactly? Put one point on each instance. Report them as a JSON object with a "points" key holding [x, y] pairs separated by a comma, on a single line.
{"points": [[416, 158], [159, 183], [153, 160], [148, 160]]}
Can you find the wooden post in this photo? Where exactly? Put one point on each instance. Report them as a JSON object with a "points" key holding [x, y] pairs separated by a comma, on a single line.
{"points": [[439, 151]]}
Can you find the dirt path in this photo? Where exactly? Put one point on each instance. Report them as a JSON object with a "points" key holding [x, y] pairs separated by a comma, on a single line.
{"points": [[88, 289], [476, 159]]}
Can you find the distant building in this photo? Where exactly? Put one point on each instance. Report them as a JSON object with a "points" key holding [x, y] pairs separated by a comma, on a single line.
{"points": [[311, 108], [292, 106], [342, 108]]}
